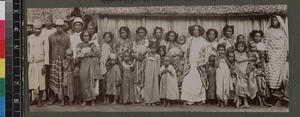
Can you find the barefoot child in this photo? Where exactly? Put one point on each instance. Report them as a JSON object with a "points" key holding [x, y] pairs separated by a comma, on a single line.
{"points": [[168, 86], [223, 77], [151, 89], [127, 87], [68, 83], [113, 78], [241, 62], [211, 75]]}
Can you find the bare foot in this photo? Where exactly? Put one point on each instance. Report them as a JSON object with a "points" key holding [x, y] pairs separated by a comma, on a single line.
{"points": [[245, 106], [62, 103], [93, 103], [114, 103], [153, 104], [83, 104], [184, 103]]}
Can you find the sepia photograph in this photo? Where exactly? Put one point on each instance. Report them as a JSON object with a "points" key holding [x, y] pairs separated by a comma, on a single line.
{"points": [[218, 58]]}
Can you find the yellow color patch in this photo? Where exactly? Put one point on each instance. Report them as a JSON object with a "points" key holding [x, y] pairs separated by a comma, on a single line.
{"points": [[2, 68]]}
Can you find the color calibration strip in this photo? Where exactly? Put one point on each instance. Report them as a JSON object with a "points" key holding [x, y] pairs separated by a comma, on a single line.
{"points": [[2, 58]]}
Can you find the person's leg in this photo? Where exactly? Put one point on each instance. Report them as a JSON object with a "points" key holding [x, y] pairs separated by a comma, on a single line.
{"points": [[93, 103], [168, 102], [115, 99], [39, 98]]}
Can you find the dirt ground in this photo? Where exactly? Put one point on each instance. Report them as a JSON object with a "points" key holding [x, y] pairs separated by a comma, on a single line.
{"points": [[158, 108]]}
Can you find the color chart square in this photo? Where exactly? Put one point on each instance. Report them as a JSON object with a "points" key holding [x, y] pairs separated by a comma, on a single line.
{"points": [[2, 48], [2, 29], [2, 87], [2, 68]]}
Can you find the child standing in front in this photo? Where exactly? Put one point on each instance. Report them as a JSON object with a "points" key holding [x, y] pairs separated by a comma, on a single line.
{"points": [[68, 83], [168, 85], [113, 78], [241, 62], [151, 89], [127, 87], [233, 94], [223, 77], [211, 75]]}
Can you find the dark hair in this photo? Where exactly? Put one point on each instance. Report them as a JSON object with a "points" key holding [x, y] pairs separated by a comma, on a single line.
{"points": [[211, 56], [252, 34], [168, 34], [126, 29], [212, 30], [83, 32], [141, 28], [229, 52], [157, 28], [164, 48], [241, 42], [221, 46], [226, 27], [111, 35], [201, 29], [240, 36]]}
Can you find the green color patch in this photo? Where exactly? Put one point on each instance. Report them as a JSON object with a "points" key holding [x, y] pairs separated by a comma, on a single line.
{"points": [[2, 87]]}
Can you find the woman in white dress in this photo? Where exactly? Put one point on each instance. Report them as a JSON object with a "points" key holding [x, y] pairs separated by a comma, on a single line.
{"points": [[194, 83]]}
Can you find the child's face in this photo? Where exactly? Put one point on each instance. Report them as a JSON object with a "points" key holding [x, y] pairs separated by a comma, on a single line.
{"points": [[196, 31], [231, 57], [257, 38], [86, 37], [167, 61], [29, 28], [37, 30], [126, 57], [107, 38], [221, 51], [181, 40], [211, 36], [69, 56], [158, 33], [171, 37], [211, 61], [153, 50], [275, 22], [161, 52], [113, 61], [141, 34], [240, 48], [241, 38], [229, 32], [77, 27], [253, 47]]}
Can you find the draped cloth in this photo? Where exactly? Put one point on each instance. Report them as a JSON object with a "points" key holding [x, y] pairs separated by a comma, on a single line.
{"points": [[276, 41], [193, 88]]}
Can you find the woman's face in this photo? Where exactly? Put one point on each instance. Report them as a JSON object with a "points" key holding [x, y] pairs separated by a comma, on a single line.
{"points": [[257, 38], [158, 33], [107, 38], [86, 37], [141, 34], [123, 34], [211, 36], [240, 48], [172, 37], [275, 22], [196, 31], [77, 27], [229, 32]]}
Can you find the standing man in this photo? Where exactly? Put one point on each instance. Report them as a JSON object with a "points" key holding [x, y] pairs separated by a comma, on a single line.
{"points": [[46, 32], [38, 59], [59, 42]]}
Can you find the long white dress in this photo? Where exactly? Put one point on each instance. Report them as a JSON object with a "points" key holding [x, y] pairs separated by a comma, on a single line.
{"points": [[193, 89]]}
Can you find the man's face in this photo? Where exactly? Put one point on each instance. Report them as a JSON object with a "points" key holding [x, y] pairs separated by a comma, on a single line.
{"points": [[60, 28], [37, 30]]}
